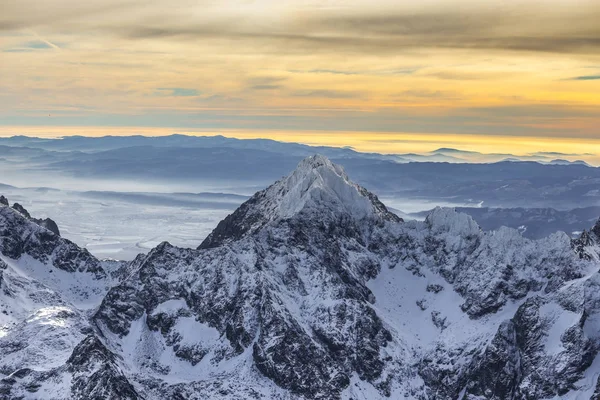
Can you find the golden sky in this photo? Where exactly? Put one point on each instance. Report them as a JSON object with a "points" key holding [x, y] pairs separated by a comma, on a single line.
{"points": [[377, 75]]}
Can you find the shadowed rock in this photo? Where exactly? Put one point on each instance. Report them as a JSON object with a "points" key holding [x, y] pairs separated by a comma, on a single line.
{"points": [[21, 209], [48, 224]]}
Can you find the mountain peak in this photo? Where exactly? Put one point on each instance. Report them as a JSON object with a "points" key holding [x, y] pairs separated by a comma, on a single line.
{"points": [[317, 161], [317, 188], [318, 183], [316, 171]]}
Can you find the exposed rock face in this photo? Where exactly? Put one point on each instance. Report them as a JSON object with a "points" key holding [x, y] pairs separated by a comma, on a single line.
{"points": [[19, 236], [516, 364], [48, 224], [21, 209], [44, 223], [96, 374], [246, 293], [596, 229], [314, 290], [587, 245]]}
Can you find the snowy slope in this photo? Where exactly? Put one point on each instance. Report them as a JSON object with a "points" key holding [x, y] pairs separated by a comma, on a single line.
{"points": [[48, 287], [312, 289]]}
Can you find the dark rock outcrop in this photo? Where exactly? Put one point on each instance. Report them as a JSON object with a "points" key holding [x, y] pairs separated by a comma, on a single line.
{"points": [[96, 374], [19, 236], [48, 224], [44, 223], [21, 209]]}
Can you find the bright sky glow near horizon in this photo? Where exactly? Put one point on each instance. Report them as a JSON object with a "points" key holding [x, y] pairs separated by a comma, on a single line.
{"points": [[496, 76]]}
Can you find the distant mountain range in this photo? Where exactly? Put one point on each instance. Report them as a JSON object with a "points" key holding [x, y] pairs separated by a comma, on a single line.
{"points": [[96, 144], [181, 163]]}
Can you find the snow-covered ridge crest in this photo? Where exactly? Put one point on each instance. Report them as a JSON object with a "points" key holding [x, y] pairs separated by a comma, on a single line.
{"points": [[442, 220], [317, 182], [317, 189]]}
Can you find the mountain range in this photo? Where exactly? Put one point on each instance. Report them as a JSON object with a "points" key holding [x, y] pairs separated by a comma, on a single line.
{"points": [[180, 163], [311, 289], [105, 143]]}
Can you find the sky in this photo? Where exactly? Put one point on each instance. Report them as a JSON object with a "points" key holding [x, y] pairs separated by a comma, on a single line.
{"points": [[499, 75]]}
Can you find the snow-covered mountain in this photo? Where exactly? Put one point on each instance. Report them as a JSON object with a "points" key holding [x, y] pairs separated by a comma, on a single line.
{"points": [[533, 223], [311, 289], [48, 289]]}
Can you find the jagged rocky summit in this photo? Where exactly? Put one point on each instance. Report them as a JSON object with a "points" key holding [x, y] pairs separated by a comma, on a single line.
{"points": [[316, 189], [45, 223], [312, 289]]}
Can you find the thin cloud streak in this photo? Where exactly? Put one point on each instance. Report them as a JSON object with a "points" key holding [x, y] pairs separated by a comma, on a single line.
{"points": [[586, 78]]}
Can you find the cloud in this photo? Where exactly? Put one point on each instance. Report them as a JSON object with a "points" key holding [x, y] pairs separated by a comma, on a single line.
{"points": [[458, 123], [459, 75], [441, 66], [426, 94], [18, 50], [324, 93], [532, 112], [38, 45], [265, 87], [28, 14], [379, 42], [374, 71], [586, 78], [176, 92], [31, 46], [265, 82], [330, 71], [558, 153], [356, 27]]}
